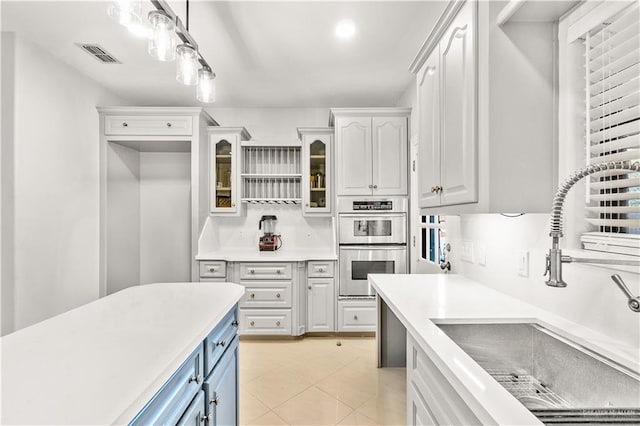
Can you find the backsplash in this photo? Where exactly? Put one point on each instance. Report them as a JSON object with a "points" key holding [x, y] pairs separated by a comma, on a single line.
{"points": [[505, 244], [241, 233]]}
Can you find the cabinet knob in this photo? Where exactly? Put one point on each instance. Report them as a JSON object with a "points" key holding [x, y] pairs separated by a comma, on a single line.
{"points": [[253, 296], [212, 269], [278, 271], [251, 271], [310, 288], [125, 124], [278, 323], [278, 295], [321, 270], [306, 204], [370, 186], [375, 186], [234, 323], [196, 378], [252, 323], [168, 124], [233, 204], [355, 317], [215, 400], [221, 343], [207, 419]]}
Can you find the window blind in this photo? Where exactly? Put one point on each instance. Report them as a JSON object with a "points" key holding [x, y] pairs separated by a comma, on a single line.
{"points": [[612, 66]]}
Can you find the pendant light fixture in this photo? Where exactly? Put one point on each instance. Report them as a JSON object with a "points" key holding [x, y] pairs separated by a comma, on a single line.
{"points": [[191, 67], [206, 91]]}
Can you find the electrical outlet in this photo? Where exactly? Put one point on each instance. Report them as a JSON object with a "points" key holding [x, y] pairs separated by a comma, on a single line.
{"points": [[523, 263], [482, 255], [466, 251]]}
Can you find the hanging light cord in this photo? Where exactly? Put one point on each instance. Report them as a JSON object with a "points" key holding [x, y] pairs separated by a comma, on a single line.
{"points": [[187, 20]]}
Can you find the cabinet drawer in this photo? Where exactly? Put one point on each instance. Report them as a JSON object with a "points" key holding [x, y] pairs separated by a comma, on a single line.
{"points": [[265, 271], [320, 269], [195, 412], [213, 268], [357, 316], [269, 294], [267, 322], [150, 125], [171, 401], [219, 339], [443, 402]]}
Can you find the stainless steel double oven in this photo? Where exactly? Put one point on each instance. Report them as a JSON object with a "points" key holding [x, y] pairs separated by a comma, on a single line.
{"points": [[372, 240]]}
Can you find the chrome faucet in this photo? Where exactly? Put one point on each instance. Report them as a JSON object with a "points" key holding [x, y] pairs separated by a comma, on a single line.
{"points": [[555, 258]]}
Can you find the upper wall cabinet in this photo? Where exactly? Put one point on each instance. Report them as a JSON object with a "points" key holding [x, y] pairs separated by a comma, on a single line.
{"points": [[317, 170], [486, 113], [224, 169], [371, 150]]}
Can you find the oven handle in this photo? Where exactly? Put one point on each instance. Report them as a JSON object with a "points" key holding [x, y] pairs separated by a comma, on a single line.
{"points": [[380, 247]]}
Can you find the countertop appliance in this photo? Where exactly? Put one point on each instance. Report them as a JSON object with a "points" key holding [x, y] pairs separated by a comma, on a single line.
{"points": [[269, 241], [372, 240]]}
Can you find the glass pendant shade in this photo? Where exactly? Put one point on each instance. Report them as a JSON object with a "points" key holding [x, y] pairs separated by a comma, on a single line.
{"points": [[206, 91], [126, 12], [187, 65], [162, 44]]}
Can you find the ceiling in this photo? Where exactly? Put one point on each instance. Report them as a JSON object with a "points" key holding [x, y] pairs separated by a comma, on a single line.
{"points": [[265, 53]]}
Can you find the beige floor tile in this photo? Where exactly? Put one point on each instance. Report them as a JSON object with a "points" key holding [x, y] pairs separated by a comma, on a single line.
{"points": [[357, 419], [387, 409], [313, 407], [270, 419], [350, 387], [250, 407], [276, 387]]}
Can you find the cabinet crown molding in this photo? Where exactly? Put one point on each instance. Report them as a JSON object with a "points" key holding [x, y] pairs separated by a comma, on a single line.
{"points": [[367, 112], [432, 40], [314, 131], [243, 132]]}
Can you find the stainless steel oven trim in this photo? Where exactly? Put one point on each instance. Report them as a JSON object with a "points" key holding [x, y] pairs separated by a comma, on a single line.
{"points": [[397, 253], [398, 229]]}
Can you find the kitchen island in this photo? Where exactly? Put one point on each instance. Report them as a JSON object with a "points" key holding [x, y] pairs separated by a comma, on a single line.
{"points": [[103, 362], [464, 392]]}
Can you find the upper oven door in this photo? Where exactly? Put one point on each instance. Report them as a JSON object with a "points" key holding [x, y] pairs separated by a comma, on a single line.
{"points": [[388, 228]]}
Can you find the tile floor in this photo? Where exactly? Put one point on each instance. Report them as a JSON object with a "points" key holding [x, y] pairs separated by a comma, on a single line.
{"points": [[313, 381]]}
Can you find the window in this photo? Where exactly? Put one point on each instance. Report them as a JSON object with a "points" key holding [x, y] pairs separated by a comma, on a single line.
{"points": [[433, 238], [612, 77]]}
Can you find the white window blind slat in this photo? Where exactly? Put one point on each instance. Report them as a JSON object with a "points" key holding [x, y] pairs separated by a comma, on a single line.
{"points": [[612, 79], [615, 80]]}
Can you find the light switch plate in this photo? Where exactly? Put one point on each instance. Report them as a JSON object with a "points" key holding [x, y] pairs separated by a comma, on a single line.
{"points": [[482, 255], [466, 251], [523, 263]]}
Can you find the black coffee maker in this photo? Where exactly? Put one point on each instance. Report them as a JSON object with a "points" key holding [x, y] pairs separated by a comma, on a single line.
{"points": [[269, 241]]}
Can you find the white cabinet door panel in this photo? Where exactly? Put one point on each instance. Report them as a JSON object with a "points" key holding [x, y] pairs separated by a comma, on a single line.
{"points": [[320, 304], [429, 135], [354, 156], [389, 156], [458, 131]]}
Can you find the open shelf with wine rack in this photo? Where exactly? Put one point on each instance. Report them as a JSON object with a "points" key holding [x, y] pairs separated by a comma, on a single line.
{"points": [[271, 174]]}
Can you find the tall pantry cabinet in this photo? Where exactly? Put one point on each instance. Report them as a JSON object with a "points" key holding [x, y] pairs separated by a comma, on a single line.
{"points": [[486, 100]]}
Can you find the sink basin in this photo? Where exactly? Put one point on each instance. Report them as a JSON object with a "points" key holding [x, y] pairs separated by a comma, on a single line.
{"points": [[558, 380]]}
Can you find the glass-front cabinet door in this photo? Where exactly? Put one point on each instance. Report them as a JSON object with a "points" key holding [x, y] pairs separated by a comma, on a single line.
{"points": [[317, 177], [224, 161]]}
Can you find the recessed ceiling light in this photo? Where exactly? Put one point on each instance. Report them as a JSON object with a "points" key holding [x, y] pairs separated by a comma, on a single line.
{"points": [[345, 29]]}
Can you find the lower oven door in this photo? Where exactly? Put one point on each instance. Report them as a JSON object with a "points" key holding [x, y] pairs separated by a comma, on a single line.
{"points": [[356, 262]]}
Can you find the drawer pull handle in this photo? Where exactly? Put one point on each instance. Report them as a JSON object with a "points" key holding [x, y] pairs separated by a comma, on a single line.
{"points": [[310, 288], [253, 295], [234, 323], [355, 317], [125, 124], [197, 379], [212, 269], [252, 323], [215, 400], [221, 343], [278, 295], [168, 124], [278, 323]]}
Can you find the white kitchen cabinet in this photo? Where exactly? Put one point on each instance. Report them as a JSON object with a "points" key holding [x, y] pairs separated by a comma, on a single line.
{"points": [[224, 169], [357, 315], [321, 296], [371, 150], [317, 170], [486, 114]]}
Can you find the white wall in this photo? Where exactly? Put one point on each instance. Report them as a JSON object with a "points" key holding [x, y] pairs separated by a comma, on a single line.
{"points": [[55, 185]]}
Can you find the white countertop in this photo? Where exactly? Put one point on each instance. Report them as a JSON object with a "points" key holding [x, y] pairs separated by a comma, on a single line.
{"points": [[100, 363], [418, 300], [254, 255]]}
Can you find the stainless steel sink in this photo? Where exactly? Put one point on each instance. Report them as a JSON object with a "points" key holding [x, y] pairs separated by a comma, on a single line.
{"points": [[558, 380]]}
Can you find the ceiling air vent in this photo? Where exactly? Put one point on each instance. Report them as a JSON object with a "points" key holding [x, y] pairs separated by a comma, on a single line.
{"points": [[99, 53]]}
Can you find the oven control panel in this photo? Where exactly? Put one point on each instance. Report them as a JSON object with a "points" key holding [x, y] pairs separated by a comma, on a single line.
{"points": [[386, 205]]}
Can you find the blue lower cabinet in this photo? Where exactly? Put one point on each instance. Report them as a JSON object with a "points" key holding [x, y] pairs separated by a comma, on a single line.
{"points": [[194, 416], [219, 339], [221, 389]]}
